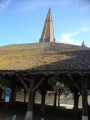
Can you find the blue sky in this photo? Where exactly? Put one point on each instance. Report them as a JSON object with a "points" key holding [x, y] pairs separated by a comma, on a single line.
{"points": [[22, 21]]}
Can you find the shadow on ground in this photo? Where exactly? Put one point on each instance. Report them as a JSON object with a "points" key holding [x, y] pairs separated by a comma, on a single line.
{"points": [[58, 113]]}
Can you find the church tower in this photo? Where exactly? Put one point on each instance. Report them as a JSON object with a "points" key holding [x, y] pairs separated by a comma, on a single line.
{"points": [[48, 32]]}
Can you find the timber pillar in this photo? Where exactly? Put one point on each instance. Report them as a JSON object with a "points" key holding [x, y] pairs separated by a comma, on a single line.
{"points": [[29, 114], [0, 93], [58, 99], [13, 96], [76, 100], [25, 93], [55, 99], [42, 109], [14, 90], [84, 98]]}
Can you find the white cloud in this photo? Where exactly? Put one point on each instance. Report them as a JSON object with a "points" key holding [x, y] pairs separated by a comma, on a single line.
{"points": [[69, 38], [4, 4], [84, 29]]}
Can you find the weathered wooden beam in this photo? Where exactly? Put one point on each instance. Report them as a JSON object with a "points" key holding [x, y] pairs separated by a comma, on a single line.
{"points": [[76, 100], [84, 98], [25, 78], [25, 93], [43, 92], [40, 82], [76, 85], [24, 84], [29, 114], [31, 95], [55, 99]]}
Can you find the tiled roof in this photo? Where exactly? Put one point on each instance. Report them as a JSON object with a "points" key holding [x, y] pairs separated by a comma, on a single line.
{"points": [[39, 57]]}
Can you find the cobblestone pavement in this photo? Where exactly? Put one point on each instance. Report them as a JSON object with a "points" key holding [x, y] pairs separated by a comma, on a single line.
{"points": [[51, 113]]}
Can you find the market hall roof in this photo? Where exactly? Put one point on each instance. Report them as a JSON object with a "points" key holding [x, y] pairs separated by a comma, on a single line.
{"points": [[45, 57]]}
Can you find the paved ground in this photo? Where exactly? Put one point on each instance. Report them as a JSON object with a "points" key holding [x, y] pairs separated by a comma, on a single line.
{"points": [[51, 114]]}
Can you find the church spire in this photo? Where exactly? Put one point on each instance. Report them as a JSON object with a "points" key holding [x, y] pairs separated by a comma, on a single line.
{"points": [[83, 44], [48, 32]]}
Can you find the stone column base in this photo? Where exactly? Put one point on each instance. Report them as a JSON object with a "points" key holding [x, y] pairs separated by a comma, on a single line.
{"points": [[29, 115], [42, 118], [14, 117], [84, 117]]}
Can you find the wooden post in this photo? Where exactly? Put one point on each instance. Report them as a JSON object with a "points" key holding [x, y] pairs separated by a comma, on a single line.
{"points": [[0, 93], [29, 114], [34, 98], [76, 99], [13, 80], [58, 100], [42, 109], [13, 96], [25, 93], [84, 98], [55, 99]]}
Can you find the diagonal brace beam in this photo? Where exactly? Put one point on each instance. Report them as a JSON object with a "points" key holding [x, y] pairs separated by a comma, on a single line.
{"points": [[25, 85], [40, 82], [77, 87]]}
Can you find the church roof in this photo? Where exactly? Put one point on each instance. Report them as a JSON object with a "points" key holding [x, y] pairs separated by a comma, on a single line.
{"points": [[49, 57]]}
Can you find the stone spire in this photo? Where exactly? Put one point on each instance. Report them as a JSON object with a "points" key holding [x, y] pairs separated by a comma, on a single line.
{"points": [[83, 44], [48, 32]]}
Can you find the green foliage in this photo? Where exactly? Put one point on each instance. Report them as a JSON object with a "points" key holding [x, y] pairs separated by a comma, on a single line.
{"points": [[5, 83], [66, 90], [59, 87]]}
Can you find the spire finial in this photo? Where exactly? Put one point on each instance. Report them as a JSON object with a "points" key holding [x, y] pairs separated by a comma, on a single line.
{"points": [[48, 32]]}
